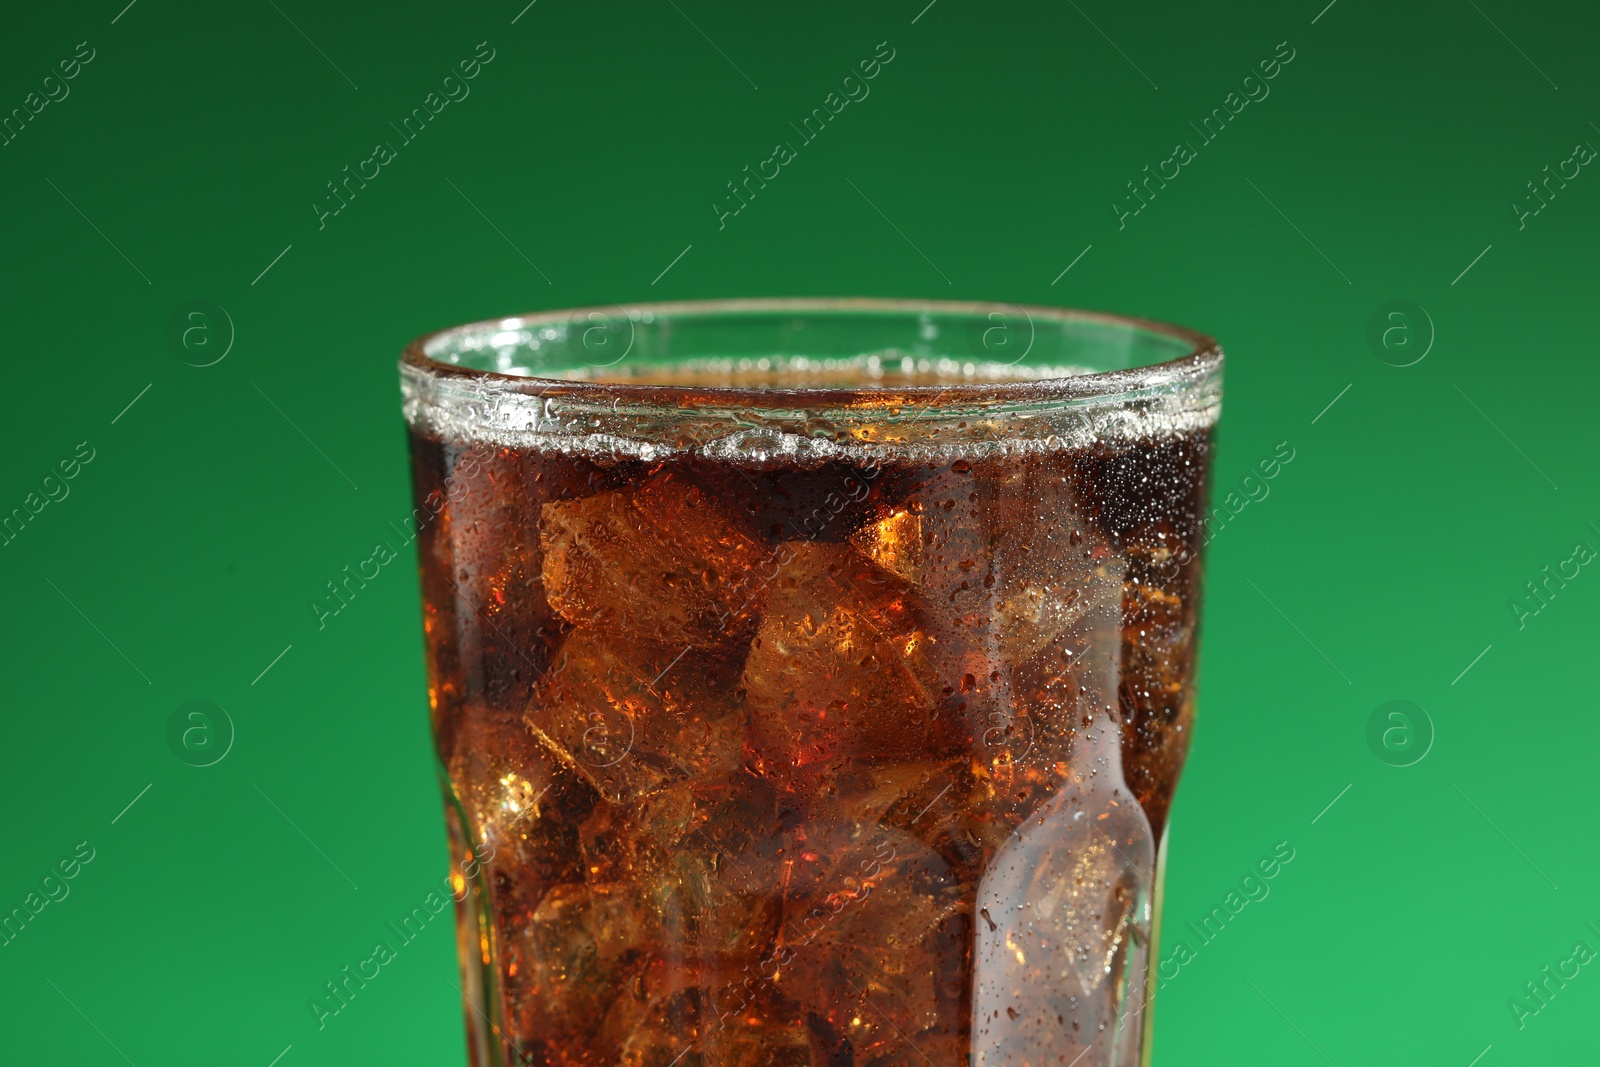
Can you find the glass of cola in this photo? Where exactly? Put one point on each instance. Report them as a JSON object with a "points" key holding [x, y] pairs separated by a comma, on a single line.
{"points": [[809, 678]]}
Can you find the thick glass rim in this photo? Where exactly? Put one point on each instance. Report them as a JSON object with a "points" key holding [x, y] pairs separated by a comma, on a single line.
{"points": [[1203, 354], [1113, 375]]}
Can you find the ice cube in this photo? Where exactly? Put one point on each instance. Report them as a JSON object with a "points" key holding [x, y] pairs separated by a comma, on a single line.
{"points": [[678, 1028], [616, 848], [707, 855], [876, 934], [726, 874], [863, 795], [938, 544], [723, 905], [1047, 552], [652, 1031], [631, 716], [1057, 635], [578, 954], [894, 543], [664, 562], [677, 1007], [520, 803], [522, 808], [839, 669]]}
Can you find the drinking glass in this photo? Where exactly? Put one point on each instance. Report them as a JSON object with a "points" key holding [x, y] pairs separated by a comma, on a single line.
{"points": [[809, 678]]}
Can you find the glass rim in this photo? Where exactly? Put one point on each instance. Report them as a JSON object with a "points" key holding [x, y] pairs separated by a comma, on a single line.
{"points": [[1202, 360]]}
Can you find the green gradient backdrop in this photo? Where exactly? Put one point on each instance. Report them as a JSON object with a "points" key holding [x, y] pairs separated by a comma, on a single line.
{"points": [[1384, 560]]}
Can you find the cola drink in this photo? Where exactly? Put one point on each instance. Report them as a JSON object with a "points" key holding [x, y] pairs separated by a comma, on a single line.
{"points": [[762, 748]]}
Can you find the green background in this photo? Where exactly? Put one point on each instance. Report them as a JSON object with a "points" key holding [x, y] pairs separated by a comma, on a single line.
{"points": [[1381, 564]]}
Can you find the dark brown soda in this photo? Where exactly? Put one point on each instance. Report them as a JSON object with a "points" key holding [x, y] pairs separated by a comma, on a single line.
{"points": [[737, 742]]}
